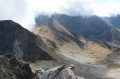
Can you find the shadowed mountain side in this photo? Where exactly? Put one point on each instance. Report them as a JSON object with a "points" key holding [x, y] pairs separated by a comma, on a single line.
{"points": [[59, 32], [16, 39], [93, 28], [114, 20]]}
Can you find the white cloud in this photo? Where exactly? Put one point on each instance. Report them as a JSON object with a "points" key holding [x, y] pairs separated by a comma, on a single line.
{"points": [[47, 6], [24, 11], [110, 7], [18, 11], [77, 7]]}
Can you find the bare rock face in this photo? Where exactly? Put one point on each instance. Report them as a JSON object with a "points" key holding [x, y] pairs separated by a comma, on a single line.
{"points": [[18, 40], [60, 72], [10, 68]]}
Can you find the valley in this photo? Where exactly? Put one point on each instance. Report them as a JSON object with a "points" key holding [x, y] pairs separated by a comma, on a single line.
{"points": [[93, 46]]}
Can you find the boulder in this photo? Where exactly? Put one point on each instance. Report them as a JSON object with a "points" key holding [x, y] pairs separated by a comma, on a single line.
{"points": [[59, 72]]}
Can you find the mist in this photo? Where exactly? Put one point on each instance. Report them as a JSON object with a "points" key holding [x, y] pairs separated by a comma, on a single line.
{"points": [[24, 11]]}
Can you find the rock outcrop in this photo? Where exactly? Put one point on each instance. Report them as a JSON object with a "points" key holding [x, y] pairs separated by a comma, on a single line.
{"points": [[60, 72], [11, 68]]}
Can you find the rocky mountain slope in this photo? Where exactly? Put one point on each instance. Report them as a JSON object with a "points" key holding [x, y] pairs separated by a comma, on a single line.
{"points": [[114, 20], [94, 28], [11, 68], [15, 39], [87, 58], [60, 39], [18, 43], [96, 58]]}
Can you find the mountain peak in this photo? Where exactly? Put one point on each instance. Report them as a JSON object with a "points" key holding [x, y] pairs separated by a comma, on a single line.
{"points": [[15, 39]]}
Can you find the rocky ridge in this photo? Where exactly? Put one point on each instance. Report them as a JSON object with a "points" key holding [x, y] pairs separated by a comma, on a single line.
{"points": [[18, 40], [11, 68]]}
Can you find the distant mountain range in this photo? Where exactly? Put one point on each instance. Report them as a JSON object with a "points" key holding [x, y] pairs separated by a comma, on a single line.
{"points": [[98, 29], [115, 20]]}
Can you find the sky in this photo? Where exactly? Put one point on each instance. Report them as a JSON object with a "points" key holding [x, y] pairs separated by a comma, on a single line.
{"points": [[24, 11]]}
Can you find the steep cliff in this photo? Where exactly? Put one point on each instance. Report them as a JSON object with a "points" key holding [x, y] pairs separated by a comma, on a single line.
{"points": [[18, 40]]}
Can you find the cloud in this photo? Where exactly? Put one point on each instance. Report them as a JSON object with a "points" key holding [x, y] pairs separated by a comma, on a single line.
{"points": [[47, 6], [16, 10], [24, 11], [108, 8], [78, 7], [70, 7]]}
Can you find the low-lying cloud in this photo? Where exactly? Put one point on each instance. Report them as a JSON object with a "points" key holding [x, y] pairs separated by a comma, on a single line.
{"points": [[24, 11]]}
